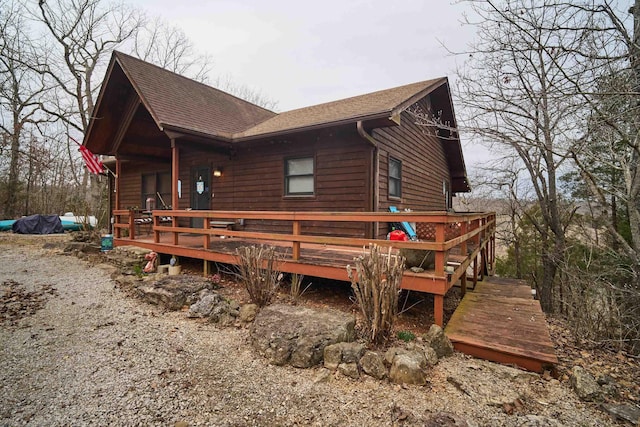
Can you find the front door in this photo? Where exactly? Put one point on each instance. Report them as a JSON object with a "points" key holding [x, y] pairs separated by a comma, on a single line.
{"points": [[200, 191]]}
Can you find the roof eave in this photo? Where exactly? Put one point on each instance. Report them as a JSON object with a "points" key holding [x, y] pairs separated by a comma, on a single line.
{"points": [[383, 115], [167, 127], [98, 100], [418, 96]]}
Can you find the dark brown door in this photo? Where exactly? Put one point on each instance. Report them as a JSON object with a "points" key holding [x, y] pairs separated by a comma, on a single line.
{"points": [[200, 191]]}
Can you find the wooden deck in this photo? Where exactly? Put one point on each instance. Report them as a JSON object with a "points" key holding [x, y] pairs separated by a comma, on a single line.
{"points": [[501, 322], [472, 245]]}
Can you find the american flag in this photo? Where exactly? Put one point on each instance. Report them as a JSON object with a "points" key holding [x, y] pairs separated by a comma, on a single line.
{"points": [[93, 163]]}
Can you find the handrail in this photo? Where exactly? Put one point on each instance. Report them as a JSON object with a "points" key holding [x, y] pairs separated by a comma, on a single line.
{"points": [[476, 228]]}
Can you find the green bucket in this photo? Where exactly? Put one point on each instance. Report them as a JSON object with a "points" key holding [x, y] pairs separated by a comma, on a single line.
{"points": [[106, 243]]}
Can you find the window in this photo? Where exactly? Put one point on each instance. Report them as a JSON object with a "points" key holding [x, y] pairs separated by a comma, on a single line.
{"points": [[156, 186], [395, 178], [298, 177]]}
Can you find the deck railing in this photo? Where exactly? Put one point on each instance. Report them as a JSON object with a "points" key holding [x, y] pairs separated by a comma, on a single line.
{"points": [[470, 236]]}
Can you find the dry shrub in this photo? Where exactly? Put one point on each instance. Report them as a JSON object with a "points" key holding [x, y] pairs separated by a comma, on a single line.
{"points": [[258, 271], [296, 290], [376, 285]]}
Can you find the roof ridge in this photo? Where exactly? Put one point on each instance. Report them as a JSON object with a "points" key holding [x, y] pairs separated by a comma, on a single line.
{"points": [[367, 94], [118, 53]]}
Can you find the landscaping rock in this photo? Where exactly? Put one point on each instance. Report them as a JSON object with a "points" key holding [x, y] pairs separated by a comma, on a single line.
{"points": [[372, 364], [332, 356], [343, 352], [81, 247], [431, 356], [409, 367], [418, 258], [437, 340], [298, 335], [171, 292], [349, 370], [584, 384], [215, 307], [205, 304], [247, 313], [626, 412]]}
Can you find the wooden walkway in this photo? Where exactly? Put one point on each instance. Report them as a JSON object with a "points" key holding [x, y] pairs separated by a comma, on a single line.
{"points": [[501, 322]]}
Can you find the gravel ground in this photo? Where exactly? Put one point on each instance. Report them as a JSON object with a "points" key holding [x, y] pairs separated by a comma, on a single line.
{"points": [[93, 356]]}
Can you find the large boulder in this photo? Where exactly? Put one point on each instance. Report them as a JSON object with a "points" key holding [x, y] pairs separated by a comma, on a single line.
{"points": [[407, 366], [418, 258], [438, 341], [171, 292], [297, 335], [584, 384]]}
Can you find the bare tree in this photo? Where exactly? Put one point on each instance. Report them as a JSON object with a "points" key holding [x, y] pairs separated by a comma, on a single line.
{"points": [[513, 90], [245, 92], [21, 91], [168, 47]]}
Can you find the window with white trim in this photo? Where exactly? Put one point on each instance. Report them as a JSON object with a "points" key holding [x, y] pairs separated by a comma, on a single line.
{"points": [[299, 177]]}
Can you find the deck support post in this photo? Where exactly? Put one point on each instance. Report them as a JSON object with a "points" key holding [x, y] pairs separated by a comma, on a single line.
{"points": [[463, 284], [175, 175], [475, 271], [438, 309], [296, 245]]}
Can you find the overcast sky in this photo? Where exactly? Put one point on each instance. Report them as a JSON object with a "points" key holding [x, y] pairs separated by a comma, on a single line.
{"points": [[301, 53]]}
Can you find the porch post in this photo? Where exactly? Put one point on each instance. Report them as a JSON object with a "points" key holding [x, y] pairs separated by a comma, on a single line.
{"points": [[175, 175], [175, 171], [118, 174]]}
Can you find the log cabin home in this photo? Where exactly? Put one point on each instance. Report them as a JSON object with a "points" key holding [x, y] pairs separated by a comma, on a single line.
{"points": [[360, 154], [317, 181]]}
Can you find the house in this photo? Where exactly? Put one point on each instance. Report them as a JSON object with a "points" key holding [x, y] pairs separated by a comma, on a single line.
{"points": [[190, 146]]}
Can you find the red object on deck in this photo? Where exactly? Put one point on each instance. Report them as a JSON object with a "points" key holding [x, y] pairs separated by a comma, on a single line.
{"points": [[398, 235]]}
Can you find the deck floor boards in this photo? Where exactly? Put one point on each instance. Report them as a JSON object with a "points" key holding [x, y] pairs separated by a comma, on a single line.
{"points": [[500, 321]]}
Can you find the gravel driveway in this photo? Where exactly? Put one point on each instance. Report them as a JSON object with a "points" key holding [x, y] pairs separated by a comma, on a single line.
{"points": [[93, 356]]}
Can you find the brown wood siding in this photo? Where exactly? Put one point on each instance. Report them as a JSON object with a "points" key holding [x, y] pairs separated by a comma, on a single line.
{"points": [[424, 167], [253, 179], [131, 181]]}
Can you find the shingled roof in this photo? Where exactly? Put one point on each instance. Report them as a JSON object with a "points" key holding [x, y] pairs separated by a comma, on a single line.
{"points": [[175, 101], [377, 104], [179, 103]]}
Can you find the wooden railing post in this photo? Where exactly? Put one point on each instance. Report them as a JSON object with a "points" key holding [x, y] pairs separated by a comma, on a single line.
{"points": [[296, 245], [156, 223], [174, 223], [116, 231], [463, 231], [132, 225], [440, 254], [206, 224]]}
